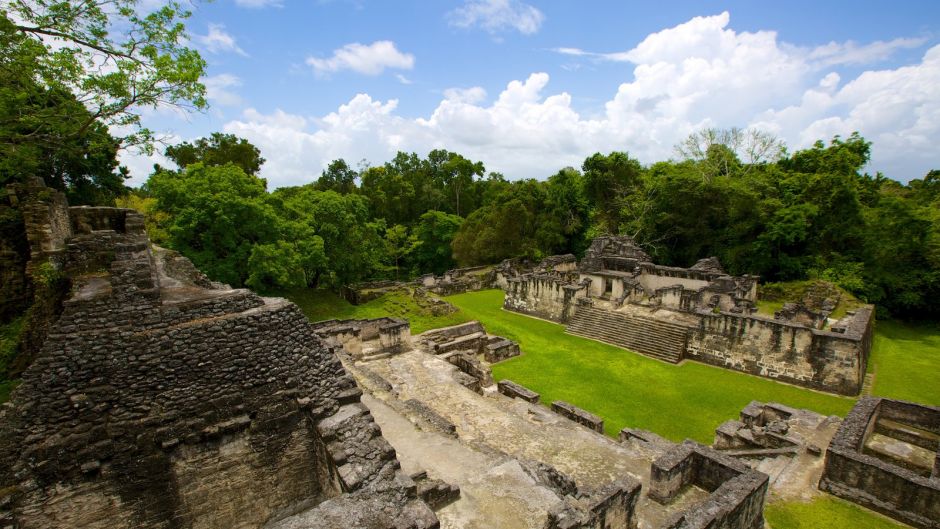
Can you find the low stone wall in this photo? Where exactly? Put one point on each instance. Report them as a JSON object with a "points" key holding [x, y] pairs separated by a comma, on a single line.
{"points": [[736, 499], [867, 480], [469, 364], [576, 414], [830, 361], [499, 349], [517, 391]]}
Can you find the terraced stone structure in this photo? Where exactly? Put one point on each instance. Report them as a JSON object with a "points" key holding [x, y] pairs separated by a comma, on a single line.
{"points": [[617, 295], [886, 456], [157, 402]]}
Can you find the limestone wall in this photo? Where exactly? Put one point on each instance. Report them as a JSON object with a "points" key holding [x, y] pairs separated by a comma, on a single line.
{"points": [[543, 296], [793, 353]]}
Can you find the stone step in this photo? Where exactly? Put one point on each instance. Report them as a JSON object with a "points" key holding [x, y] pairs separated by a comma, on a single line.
{"points": [[664, 355], [638, 333], [658, 339]]}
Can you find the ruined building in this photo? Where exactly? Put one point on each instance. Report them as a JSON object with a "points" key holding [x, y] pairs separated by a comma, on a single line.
{"points": [[163, 400], [617, 295]]}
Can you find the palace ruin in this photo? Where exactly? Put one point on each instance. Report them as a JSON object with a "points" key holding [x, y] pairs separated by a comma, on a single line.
{"points": [[617, 295]]}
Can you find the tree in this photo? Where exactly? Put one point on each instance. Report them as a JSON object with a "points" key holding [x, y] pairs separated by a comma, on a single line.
{"points": [[217, 149], [607, 180], [352, 246], [47, 132], [112, 57], [219, 214], [397, 245], [339, 177], [431, 242], [720, 151]]}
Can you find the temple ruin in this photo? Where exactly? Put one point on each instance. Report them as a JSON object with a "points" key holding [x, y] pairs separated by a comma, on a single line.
{"points": [[615, 294], [163, 400]]}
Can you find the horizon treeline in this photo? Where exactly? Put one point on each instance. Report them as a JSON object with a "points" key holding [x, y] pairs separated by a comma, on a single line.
{"points": [[737, 195]]}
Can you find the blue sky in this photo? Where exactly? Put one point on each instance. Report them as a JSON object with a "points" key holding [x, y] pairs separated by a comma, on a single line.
{"points": [[530, 87]]}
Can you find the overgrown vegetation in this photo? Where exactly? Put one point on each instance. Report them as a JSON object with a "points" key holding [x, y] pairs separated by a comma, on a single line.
{"points": [[772, 296], [9, 342]]}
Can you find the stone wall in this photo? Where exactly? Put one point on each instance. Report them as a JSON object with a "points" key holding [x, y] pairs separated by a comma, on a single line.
{"points": [[898, 492], [543, 296], [156, 403], [831, 361], [736, 499], [576, 414]]}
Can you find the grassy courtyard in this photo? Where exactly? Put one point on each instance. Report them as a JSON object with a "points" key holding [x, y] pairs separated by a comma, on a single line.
{"points": [[628, 389]]}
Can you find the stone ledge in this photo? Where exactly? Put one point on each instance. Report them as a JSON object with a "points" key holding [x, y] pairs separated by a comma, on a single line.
{"points": [[576, 414]]}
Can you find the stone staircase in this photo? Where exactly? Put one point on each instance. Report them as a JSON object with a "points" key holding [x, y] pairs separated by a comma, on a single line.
{"points": [[658, 339]]}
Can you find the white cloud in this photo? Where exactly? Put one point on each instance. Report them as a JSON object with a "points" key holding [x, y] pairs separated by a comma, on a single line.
{"points": [[473, 95], [258, 4], [370, 59], [402, 79], [219, 41], [697, 74], [851, 52], [497, 16], [218, 89]]}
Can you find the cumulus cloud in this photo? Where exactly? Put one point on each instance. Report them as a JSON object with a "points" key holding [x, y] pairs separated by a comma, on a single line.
{"points": [[217, 40], [497, 16], [698, 74], [219, 89], [370, 59]]}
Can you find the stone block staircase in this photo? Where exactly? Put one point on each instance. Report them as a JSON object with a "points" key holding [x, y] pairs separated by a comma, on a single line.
{"points": [[658, 339]]}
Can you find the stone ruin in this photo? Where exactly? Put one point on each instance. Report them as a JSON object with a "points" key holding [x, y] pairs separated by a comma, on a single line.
{"points": [[162, 400], [886, 456], [617, 295]]}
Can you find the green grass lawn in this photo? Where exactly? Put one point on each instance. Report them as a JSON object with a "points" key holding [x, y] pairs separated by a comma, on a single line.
{"points": [[906, 362], [625, 388], [826, 511]]}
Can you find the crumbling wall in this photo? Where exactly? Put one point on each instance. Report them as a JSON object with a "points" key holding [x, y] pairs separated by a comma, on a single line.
{"points": [[736, 499], [867, 480], [831, 361]]}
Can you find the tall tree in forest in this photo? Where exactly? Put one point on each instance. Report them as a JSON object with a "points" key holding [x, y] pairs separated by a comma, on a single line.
{"points": [[217, 149]]}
